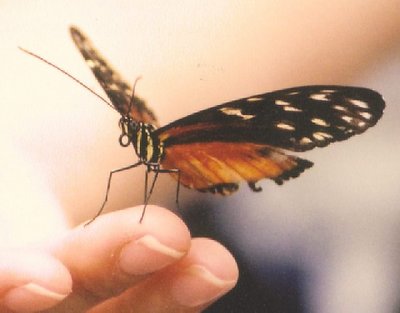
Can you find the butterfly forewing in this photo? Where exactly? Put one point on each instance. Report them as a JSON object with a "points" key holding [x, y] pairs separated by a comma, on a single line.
{"points": [[117, 90], [297, 119]]}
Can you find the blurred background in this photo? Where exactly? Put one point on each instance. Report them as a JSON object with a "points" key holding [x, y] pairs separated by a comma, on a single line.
{"points": [[326, 242]]}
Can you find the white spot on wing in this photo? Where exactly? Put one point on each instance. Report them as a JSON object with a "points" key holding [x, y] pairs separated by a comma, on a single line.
{"points": [[319, 122], [113, 86], [319, 97], [281, 102], [236, 112], [322, 136], [91, 63], [289, 108], [366, 115], [330, 91], [347, 118], [361, 124], [318, 136], [254, 99], [359, 103], [285, 126], [339, 108], [305, 141]]}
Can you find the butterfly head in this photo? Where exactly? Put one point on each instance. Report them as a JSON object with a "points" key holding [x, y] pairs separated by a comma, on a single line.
{"points": [[128, 127]]}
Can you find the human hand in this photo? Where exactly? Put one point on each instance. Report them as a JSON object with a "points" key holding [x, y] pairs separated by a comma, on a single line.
{"points": [[116, 264]]}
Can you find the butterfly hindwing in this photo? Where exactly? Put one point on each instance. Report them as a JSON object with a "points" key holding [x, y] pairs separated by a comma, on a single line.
{"points": [[218, 167], [117, 90]]}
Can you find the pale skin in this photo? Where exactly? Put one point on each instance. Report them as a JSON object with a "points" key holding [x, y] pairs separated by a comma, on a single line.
{"points": [[168, 271], [154, 266]]}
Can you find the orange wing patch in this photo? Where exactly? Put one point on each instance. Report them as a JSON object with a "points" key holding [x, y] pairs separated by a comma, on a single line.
{"points": [[205, 165]]}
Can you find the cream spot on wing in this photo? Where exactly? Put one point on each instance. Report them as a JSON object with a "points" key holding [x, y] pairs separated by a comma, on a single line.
{"points": [[285, 126], [319, 122], [291, 109], [254, 99], [339, 107], [366, 115], [322, 136], [330, 91], [359, 103], [92, 63], [103, 68], [236, 112], [305, 141], [293, 93], [347, 118], [281, 102], [318, 136], [361, 124], [319, 97], [113, 86]]}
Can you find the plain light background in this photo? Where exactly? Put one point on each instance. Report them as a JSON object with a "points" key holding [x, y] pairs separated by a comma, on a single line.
{"points": [[340, 219]]}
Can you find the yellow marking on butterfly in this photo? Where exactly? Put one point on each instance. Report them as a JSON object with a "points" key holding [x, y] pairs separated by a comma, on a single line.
{"points": [[254, 99], [289, 108], [285, 126], [319, 122], [319, 96], [366, 115], [347, 118], [359, 103], [281, 102], [305, 141], [236, 112]]}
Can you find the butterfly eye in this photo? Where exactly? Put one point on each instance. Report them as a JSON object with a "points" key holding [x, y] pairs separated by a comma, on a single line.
{"points": [[124, 140], [125, 137]]}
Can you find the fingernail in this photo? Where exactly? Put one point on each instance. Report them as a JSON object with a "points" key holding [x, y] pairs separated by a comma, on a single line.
{"points": [[146, 255], [31, 297], [197, 286]]}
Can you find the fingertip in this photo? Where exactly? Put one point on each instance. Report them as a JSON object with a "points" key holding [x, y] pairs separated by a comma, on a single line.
{"points": [[215, 256], [116, 245], [158, 222], [34, 280], [163, 239], [208, 272]]}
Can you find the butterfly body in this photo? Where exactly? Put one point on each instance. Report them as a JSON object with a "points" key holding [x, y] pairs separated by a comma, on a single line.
{"points": [[145, 142]]}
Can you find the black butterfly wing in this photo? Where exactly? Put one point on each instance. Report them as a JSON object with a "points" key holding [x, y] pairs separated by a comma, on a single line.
{"points": [[245, 139], [117, 90], [297, 119]]}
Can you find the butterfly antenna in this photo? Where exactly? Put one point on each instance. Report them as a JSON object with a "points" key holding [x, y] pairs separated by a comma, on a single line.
{"points": [[67, 74], [132, 101]]}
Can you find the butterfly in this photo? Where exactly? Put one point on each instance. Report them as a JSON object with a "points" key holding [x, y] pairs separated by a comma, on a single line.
{"points": [[215, 149]]}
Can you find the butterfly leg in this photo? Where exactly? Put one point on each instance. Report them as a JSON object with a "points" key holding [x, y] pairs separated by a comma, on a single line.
{"points": [[178, 184], [147, 195], [146, 179], [156, 169], [178, 172], [109, 186]]}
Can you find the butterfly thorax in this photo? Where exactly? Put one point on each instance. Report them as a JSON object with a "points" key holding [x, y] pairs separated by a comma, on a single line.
{"points": [[146, 144]]}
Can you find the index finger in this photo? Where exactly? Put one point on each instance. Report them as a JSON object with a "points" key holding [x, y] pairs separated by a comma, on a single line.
{"points": [[116, 251]]}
